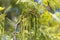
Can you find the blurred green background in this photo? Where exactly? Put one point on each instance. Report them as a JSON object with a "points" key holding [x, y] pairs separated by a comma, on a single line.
{"points": [[29, 20]]}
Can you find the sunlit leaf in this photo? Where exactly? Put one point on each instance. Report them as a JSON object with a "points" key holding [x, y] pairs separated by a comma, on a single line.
{"points": [[2, 8]]}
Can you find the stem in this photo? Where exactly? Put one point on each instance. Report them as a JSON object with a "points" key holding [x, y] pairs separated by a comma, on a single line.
{"points": [[14, 38]]}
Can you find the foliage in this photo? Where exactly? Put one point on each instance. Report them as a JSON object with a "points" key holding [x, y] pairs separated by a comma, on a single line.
{"points": [[29, 20]]}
